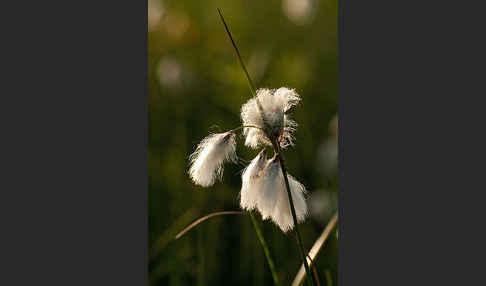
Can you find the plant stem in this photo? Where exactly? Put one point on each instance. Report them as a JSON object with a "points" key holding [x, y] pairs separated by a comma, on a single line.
{"points": [[265, 248], [250, 82], [203, 219], [318, 245], [252, 87], [276, 149], [310, 277]]}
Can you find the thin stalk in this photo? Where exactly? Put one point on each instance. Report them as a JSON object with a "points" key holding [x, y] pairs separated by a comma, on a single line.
{"points": [[265, 248], [252, 87], [192, 225], [257, 230], [311, 264], [250, 82], [310, 277], [316, 248]]}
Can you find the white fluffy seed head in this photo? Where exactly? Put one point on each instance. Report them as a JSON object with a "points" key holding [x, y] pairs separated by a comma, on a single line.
{"points": [[250, 115], [254, 137], [282, 215], [269, 189], [206, 163], [275, 105], [269, 192], [287, 98], [251, 181]]}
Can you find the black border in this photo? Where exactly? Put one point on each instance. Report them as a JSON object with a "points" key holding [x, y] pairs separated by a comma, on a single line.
{"points": [[74, 190]]}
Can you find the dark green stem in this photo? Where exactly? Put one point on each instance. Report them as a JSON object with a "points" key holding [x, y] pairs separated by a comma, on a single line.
{"points": [[265, 248], [252, 87], [250, 82], [310, 277]]}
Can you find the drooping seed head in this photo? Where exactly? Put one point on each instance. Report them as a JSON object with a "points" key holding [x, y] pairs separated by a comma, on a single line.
{"points": [[271, 195], [251, 181], [282, 215], [269, 189], [206, 163]]}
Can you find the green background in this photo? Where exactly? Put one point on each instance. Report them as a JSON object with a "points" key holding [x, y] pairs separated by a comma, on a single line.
{"points": [[196, 86]]}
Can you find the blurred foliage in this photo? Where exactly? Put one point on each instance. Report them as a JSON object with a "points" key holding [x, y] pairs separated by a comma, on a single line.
{"points": [[196, 86]]}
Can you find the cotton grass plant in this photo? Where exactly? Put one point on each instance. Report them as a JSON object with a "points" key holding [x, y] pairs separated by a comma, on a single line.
{"points": [[263, 182], [266, 186]]}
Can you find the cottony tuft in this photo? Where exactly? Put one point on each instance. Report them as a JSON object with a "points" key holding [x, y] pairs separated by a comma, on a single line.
{"points": [[251, 181], [207, 161], [275, 103]]}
